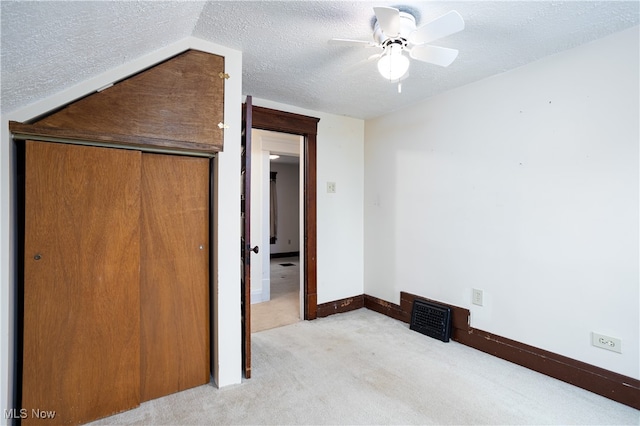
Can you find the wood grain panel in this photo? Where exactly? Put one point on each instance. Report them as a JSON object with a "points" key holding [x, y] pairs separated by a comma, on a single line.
{"points": [[81, 293], [180, 99], [174, 281]]}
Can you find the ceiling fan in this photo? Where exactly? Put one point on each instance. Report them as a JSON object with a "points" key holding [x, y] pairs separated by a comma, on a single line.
{"points": [[395, 32]]}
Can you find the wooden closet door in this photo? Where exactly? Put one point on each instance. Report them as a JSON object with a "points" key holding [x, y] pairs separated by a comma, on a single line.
{"points": [[81, 285], [175, 274]]}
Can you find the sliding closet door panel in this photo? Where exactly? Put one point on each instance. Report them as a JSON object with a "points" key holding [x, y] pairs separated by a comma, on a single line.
{"points": [[175, 274], [81, 284]]}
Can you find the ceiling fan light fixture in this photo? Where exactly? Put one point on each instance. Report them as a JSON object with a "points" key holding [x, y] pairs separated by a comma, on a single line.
{"points": [[395, 32], [393, 65]]}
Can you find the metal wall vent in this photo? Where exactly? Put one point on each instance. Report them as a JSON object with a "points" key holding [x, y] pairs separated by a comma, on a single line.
{"points": [[431, 320]]}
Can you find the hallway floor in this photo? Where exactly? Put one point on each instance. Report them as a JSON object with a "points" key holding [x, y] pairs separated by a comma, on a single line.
{"points": [[284, 306]]}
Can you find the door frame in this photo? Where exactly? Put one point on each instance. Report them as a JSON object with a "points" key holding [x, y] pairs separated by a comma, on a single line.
{"points": [[307, 127]]}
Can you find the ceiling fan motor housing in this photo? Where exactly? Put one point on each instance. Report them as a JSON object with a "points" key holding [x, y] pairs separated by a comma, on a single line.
{"points": [[407, 26]]}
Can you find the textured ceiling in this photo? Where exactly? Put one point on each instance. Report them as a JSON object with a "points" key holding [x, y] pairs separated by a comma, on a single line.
{"points": [[47, 46]]}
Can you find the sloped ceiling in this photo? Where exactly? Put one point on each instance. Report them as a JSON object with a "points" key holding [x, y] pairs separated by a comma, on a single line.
{"points": [[47, 47]]}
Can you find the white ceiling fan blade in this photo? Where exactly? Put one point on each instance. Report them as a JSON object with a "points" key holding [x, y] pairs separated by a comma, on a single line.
{"points": [[362, 63], [442, 56], [447, 24], [388, 20], [347, 42]]}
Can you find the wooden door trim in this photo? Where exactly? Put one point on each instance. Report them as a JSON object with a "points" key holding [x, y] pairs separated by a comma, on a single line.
{"points": [[245, 237], [34, 132], [307, 127]]}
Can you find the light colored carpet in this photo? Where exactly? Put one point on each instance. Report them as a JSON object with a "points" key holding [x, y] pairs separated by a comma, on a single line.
{"points": [[362, 367], [284, 306]]}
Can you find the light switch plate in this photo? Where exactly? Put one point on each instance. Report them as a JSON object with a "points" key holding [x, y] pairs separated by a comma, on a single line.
{"points": [[476, 297]]}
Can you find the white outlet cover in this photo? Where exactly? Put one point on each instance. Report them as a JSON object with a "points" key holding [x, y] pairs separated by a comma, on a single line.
{"points": [[606, 342]]}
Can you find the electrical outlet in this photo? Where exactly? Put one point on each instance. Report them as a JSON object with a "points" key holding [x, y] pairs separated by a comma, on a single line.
{"points": [[476, 297], [331, 187], [606, 342]]}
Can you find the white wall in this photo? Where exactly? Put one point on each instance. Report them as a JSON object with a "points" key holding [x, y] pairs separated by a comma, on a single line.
{"points": [[259, 266], [340, 228], [288, 194], [524, 185], [227, 168]]}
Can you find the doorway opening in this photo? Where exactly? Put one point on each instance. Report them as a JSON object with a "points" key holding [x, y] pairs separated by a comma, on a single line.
{"points": [[278, 215], [306, 127]]}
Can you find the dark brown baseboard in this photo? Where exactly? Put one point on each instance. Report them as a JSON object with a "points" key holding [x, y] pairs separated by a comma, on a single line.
{"points": [[340, 306], [386, 308], [614, 386], [287, 254], [609, 384]]}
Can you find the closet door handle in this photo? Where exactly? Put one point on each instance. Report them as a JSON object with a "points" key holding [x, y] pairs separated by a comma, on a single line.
{"points": [[256, 249]]}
